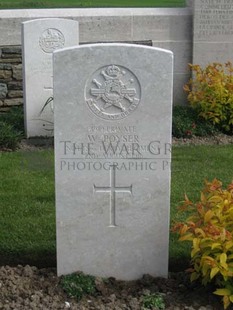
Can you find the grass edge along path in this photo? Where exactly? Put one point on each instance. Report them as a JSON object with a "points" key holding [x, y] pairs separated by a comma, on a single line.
{"points": [[44, 4], [27, 204]]}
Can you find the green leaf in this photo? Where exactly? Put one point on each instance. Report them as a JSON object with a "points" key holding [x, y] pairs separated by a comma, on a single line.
{"points": [[222, 292], [231, 298], [223, 259], [194, 276], [213, 272], [215, 245]]}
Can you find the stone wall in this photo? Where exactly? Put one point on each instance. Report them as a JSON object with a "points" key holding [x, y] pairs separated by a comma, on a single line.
{"points": [[11, 92], [168, 28]]}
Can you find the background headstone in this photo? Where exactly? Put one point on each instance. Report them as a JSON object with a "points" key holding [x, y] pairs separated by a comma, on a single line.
{"points": [[213, 31], [41, 38], [113, 107]]}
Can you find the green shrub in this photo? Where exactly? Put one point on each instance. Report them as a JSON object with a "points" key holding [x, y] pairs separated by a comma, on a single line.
{"points": [[186, 123], [78, 284], [210, 92], [15, 118], [153, 301], [11, 128], [9, 137], [209, 228]]}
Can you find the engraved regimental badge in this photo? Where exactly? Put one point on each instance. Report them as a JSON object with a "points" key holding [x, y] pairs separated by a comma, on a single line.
{"points": [[51, 39], [113, 92]]}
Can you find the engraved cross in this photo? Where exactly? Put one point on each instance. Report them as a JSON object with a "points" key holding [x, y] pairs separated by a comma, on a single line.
{"points": [[112, 190]]}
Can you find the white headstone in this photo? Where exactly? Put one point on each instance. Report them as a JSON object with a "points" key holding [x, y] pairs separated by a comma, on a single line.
{"points": [[213, 31], [41, 37], [113, 107]]}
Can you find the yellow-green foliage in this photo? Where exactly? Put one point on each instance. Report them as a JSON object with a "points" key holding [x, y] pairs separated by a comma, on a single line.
{"points": [[210, 91], [209, 227]]}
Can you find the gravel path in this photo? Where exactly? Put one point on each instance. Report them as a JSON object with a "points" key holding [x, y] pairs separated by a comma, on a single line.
{"points": [[219, 139]]}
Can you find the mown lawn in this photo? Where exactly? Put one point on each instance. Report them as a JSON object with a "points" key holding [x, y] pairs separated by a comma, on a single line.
{"points": [[19, 4], [27, 204], [27, 208]]}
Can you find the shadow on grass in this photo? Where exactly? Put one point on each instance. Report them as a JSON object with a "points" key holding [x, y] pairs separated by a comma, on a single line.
{"points": [[179, 265], [45, 259], [41, 259]]}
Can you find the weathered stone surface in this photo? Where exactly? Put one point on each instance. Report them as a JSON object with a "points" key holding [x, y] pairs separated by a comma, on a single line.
{"points": [[10, 60], [3, 90], [205, 52], [182, 57], [97, 25], [52, 34], [5, 75], [15, 94], [5, 71], [112, 147], [5, 67], [14, 101], [110, 28], [163, 27], [213, 31], [12, 50], [17, 72], [7, 56], [15, 85], [1, 103]]}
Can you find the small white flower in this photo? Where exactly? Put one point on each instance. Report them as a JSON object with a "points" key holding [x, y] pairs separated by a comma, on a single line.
{"points": [[67, 304]]}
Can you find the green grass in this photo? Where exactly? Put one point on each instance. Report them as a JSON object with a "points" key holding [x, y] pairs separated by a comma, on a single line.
{"points": [[27, 212], [27, 205], [19, 4]]}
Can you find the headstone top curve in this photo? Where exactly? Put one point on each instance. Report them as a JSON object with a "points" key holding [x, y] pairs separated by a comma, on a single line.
{"points": [[116, 45]]}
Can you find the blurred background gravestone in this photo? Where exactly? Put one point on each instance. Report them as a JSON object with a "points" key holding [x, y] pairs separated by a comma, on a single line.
{"points": [[40, 38]]}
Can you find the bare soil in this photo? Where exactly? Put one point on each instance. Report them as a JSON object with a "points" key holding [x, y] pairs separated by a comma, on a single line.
{"points": [[32, 288]]}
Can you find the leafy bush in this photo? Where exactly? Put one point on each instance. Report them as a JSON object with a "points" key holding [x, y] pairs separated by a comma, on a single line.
{"points": [[9, 137], [186, 123], [78, 284], [153, 301], [209, 227], [11, 128], [210, 92], [15, 118]]}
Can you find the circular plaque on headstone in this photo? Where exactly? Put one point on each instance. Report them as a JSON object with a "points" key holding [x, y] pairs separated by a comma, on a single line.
{"points": [[112, 92], [51, 39]]}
